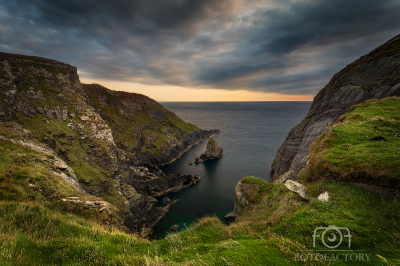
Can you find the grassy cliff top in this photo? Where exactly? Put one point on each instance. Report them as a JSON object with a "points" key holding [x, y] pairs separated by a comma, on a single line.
{"points": [[363, 145]]}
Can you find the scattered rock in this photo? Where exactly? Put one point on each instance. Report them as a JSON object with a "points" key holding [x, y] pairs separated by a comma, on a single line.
{"points": [[166, 201], [190, 163], [297, 188], [101, 205], [230, 217], [73, 198], [152, 200], [87, 182], [175, 227], [60, 165], [324, 196]]}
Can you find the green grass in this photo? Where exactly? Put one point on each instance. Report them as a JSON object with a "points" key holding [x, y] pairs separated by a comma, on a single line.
{"points": [[143, 112], [69, 140], [362, 146], [255, 187], [38, 228], [281, 225]]}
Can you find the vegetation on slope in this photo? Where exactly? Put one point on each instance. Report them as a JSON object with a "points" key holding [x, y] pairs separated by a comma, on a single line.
{"points": [[363, 146], [38, 228], [271, 232], [126, 113], [73, 147]]}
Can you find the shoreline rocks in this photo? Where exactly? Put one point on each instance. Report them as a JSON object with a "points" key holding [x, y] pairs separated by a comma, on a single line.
{"points": [[175, 227]]}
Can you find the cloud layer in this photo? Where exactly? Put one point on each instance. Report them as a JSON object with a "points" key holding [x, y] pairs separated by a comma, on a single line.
{"points": [[288, 47]]}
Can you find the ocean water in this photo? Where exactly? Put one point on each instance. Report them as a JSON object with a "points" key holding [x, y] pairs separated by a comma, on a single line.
{"points": [[251, 133]]}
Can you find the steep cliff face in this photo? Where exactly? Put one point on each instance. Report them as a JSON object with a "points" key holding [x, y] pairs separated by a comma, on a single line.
{"points": [[375, 75], [144, 129], [113, 141]]}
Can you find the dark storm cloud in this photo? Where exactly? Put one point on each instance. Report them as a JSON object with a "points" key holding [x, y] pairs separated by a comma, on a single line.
{"points": [[291, 47]]}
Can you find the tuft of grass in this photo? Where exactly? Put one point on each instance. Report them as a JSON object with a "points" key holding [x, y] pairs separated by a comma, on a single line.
{"points": [[255, 188]]}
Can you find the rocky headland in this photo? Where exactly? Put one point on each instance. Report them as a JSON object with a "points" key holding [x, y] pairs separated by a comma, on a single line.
{"points": [[213, 151], [111, 142], [373, 76]]}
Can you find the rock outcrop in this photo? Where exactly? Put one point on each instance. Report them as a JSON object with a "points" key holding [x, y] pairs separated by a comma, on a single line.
{"points": [[53, 159], [240, 203], [375, 75], [213, 151], [113, 142], [323, 196], [297, 188]]}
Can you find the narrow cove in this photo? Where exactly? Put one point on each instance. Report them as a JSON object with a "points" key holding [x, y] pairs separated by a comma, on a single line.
{"points": [[251, 133]]}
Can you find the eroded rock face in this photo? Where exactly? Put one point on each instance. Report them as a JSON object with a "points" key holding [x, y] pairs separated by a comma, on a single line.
{"points": [[213, 151], [241, 200], [156, 135], [375, 75]]}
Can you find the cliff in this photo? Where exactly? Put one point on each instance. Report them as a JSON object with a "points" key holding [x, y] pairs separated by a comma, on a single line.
{"points": [[375, 75], [213, 151], [361, 148], [148, 133], [113, 141]]}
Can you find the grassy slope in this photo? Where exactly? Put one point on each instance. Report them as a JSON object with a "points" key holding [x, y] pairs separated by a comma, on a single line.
{"points": [[57, 131], [278, 224], [362, 145], [70, 140], [269, 233], [37, 228]]}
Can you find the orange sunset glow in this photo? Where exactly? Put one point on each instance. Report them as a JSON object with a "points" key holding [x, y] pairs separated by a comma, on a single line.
{"points": [[167, 93]]}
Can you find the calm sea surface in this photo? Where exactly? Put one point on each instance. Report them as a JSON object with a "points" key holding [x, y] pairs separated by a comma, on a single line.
{"points": [[251, 133]]}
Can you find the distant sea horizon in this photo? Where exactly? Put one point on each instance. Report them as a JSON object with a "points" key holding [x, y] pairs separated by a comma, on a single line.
{"points": [[167, 102], [251, 133]]}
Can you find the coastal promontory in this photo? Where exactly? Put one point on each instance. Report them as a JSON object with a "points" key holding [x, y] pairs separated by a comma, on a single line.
{"points": [[111, 142]]}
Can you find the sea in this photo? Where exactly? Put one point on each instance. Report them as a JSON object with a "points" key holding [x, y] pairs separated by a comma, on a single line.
{"points": [[251, 133]]}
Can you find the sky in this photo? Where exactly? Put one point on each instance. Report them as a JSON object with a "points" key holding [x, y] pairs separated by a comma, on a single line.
{"points": [[201, 50]]}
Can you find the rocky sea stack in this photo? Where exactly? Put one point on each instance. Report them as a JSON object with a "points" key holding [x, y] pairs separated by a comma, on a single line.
{"points": [[213, 151]]}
